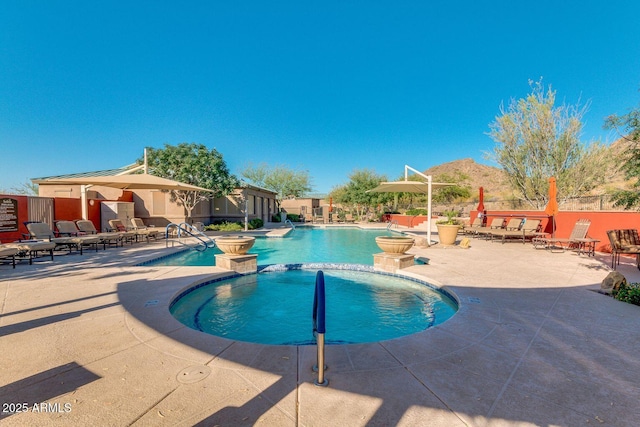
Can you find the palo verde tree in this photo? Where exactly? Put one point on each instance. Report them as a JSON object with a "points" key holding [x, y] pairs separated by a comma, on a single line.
{"points": [[628, 126], [536, 139], [192, 164], [281, 179], [354, 193]]}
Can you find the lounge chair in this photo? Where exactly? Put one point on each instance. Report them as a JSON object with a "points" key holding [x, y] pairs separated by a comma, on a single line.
{"points": [[624, 242], [575, 240], [69, 229], [513, 224], [127, 233], [349, 218], [528, 231], [42, 231], [9, 252], [30, 249], [140, 228], [473, 227], [87, 227], [496, 224]]}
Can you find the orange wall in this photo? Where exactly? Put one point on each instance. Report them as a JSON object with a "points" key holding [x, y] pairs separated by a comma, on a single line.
{"points": [[601, 221]]}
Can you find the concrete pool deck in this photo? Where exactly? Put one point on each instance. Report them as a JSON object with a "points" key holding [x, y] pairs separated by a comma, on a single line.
{"points": [[88, 340]]}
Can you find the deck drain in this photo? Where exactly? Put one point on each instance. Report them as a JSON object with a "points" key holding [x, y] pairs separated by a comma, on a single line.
{"points": [[193, 374]]}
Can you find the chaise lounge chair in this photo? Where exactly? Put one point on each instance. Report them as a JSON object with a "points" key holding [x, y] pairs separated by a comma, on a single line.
{"points": [[575, 240], [86, 226], [496, 224], [9, 252], [127, 233], [69, 229], [29, 249], [42, 231], [528, 230], [473, 227], [141, 228]]}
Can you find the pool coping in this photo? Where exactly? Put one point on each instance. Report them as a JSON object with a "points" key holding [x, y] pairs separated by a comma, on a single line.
{"points": [[539, 352]]}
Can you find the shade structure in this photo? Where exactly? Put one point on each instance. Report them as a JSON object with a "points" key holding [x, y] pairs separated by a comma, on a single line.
{"points": [[124, 182], [127, 182], [407, 186]]}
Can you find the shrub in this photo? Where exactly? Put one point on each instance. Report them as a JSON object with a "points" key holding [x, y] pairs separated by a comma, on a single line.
{"points": [[225, 226], [256, 223], [413, 212], [629, 293]]}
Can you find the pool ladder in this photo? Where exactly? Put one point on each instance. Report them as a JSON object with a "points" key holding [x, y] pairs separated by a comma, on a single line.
{"points": [[288, 221], [392, 223], [319, 329], [203, 242]]}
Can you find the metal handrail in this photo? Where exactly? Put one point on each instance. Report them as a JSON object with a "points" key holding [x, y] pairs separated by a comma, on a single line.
{"points": [[291, 223], [319, 328], [204, 242], [394, 222]]}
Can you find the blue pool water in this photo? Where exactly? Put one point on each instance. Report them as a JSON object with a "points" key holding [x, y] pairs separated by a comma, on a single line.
{"points": [[276, 307], [304, 244]]}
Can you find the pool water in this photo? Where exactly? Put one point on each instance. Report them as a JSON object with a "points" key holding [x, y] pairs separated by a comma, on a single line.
{"points": [[276, 307], [302, 245]]}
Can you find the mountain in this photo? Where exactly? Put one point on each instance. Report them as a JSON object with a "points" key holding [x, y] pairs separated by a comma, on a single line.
{"points": [[468, 173]]}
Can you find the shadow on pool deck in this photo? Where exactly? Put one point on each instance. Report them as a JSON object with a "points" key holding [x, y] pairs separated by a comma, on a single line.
{"points": [[532, 344]]}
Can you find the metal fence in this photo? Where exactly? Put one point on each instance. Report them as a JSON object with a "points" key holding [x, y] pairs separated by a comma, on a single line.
{"points": [[585, 203]]}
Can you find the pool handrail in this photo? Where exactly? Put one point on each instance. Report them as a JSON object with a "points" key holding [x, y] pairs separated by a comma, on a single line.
{"points": [[288, 221], [204, 242], [319, 328]]}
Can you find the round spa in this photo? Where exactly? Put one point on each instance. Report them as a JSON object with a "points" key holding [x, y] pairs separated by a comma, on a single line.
{"points": [[276, 307]]}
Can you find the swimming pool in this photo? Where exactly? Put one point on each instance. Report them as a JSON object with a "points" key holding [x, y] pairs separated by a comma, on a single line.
{"points": [[276, 307], [302, 245]]}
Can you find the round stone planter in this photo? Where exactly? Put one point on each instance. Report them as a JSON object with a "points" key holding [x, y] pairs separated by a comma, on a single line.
{"points": [[394, 244], [447, 233], [235, 245]]}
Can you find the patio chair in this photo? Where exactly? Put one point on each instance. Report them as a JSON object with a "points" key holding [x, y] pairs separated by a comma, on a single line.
{"points": [[141, 228], [30, 249], [528, 231], [109, 238], [127, 233], [471, 228], [624, 242], [9, 252], [575, 240], [69, 229], [42, 231], [496, 224]]}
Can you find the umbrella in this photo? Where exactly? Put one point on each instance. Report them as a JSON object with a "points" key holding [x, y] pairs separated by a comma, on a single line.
{"points": [[126, 182], [480, 207], [407, 186], [552, 205]]}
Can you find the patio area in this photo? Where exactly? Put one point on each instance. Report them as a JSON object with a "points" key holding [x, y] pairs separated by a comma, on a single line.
{"points": [[88, 340]]}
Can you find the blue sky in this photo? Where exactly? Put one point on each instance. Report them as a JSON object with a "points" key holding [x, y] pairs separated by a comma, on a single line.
{"points": [[328, 87]]}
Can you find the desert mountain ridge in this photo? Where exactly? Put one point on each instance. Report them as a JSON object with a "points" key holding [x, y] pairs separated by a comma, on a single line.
{"points": [[494, 180]]}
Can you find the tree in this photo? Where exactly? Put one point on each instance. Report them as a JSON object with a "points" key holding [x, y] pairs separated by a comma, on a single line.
{"points": [[630, 125], [354, 193], [281, 179], [450, 194], [536, 140], [192, 164], [26, 188]]}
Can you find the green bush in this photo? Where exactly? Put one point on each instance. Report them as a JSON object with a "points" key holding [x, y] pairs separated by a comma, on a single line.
{"points": [[413, 212], [256, 223], [629, 293], [276, 217], [225, 226]]}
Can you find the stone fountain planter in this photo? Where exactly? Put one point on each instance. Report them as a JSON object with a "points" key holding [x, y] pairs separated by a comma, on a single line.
{"points": [[235, 245], [395, 245]]}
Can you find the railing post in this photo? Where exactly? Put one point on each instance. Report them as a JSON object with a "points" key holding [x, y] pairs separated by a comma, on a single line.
{"points": [[319, 328]]}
